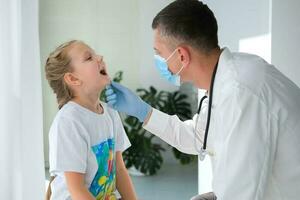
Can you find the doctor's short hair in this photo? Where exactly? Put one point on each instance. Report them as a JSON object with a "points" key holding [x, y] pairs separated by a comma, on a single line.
{"points": [[189, 22], [57, 65]]}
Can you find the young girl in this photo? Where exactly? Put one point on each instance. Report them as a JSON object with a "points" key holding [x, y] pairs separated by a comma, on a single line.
{"points": [[86, 138]]}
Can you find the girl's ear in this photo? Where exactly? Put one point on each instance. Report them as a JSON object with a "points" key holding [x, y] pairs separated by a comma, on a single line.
{"points": [[71, 79]]}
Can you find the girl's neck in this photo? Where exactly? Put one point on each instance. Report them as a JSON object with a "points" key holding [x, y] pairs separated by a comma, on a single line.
{"points": [[91, 103]]}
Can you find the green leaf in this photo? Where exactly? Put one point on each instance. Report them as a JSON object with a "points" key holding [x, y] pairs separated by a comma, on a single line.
{"points": [[118, 77], [143, 154], [182, 157]]}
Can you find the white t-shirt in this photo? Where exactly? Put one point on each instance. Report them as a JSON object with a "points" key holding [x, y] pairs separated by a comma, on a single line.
{"points": [[86, 142]]}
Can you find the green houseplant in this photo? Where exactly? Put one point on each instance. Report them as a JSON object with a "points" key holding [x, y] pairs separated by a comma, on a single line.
{"points": [[144, 154]]}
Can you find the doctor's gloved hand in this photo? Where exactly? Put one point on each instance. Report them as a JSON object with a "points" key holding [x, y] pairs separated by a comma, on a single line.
{"points": [[124, 100]]}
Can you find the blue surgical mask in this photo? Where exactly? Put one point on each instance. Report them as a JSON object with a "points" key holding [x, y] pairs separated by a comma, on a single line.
{"points": [[162, 66]]}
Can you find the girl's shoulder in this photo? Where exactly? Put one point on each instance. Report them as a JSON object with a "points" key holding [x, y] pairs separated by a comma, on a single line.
{"points": [[69, 110], [69, 119], [70, 113]]}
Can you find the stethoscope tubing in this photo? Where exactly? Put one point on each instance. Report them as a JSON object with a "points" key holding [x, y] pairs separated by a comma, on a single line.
{"points": [[203, 149]]}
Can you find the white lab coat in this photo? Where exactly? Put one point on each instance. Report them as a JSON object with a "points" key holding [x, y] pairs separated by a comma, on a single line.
{"points": [[254, 132]]}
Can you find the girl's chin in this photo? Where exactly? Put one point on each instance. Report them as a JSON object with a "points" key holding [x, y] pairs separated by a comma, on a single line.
{"points": [[105, 79], [104, 82]]}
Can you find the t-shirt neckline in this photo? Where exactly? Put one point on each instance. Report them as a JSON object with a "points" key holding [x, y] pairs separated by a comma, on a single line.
{"points": [[87, 110]]}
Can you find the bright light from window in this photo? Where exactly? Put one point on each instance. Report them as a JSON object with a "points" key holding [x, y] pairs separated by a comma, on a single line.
{"points": [[259, 45]]}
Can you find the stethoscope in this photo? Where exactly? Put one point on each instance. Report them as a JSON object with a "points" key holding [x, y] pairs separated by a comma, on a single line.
{"points": [[203, 151]]}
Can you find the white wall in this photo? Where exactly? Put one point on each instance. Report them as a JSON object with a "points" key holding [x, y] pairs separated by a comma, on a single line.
{"points": [[243, 21], [286, 38]]}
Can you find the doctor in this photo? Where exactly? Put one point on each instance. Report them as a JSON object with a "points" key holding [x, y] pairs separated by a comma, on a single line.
{"points": [[249, 124]]}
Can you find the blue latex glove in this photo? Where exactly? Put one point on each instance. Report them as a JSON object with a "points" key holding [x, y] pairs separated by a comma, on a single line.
{"points": [[124, 100]]}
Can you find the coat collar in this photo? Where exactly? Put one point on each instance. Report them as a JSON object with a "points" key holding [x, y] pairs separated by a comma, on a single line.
{"points": [[224, 73]]}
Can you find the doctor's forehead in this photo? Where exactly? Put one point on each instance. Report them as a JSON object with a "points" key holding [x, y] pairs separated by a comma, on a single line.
{"points": [[157, 41], [160, 43], [159, 47]]}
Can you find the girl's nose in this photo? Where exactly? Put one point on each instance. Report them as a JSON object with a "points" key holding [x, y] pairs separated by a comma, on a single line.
{"points": [[99, 58]]}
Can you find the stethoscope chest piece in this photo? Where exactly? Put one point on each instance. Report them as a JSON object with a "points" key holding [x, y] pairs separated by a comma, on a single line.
{"points": [[202, 154]]}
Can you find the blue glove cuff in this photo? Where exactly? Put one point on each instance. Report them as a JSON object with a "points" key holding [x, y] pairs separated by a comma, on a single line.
{"points": [[144, 110]]}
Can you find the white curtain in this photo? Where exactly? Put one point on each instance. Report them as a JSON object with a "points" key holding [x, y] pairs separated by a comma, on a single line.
{"points": [[21, 132]]}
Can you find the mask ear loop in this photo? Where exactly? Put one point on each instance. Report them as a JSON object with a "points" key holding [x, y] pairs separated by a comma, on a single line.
{"points": [[169, 59], [171, 55], [179, 70]]}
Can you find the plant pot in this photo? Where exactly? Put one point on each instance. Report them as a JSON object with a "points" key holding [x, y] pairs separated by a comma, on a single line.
{"points": [[134, 172]]}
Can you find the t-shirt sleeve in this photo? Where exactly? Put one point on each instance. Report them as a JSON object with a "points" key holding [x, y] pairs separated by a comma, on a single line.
{"points": [[122, 141], [68, 146]]}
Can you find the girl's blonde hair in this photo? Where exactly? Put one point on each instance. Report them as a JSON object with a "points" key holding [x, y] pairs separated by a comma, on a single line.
{"points": [[57, 65]]}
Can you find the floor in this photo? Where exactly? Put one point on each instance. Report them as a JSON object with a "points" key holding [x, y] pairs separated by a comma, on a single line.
{"points": [[172, 182]]}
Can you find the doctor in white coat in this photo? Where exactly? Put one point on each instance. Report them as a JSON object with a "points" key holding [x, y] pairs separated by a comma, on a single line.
{"points": [[250, 123]]}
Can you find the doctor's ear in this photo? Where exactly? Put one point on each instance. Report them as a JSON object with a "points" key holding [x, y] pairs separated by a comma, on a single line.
{"points": [[184, 55], [71, 79]]}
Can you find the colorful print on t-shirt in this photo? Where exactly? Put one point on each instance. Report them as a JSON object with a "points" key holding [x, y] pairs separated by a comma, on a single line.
{"points": [[104, 183]]}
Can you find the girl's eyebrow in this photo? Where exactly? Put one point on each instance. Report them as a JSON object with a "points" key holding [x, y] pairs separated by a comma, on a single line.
{"points": [[86, 53]]}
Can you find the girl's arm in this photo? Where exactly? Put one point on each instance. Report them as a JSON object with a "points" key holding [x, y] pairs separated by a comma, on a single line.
{"points": [[75, 183], [124, 183]]}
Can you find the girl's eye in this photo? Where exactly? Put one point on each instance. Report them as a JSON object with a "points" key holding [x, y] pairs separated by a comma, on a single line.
{"points": [[89, 58]]}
